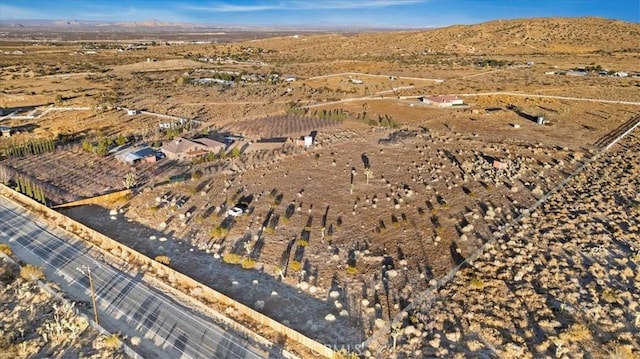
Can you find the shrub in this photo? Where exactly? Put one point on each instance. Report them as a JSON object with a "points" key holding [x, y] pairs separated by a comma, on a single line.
{"points": [[219, 232], [295, 266], [352, 270], [31, 273], [248, 263], [163, 259], [609, 296], [302, 243], [477, 283], [197, 174], [111, 342], [269, 230], [231, 258], [4, 248], [154, 209]]}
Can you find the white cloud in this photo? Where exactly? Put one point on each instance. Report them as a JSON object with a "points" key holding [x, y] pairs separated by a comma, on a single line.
{"points": [[304, 5]]}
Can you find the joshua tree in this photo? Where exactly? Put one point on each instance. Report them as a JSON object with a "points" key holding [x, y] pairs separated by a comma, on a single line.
{"points": [[353, 173], [396, 330], [368, 173], [130, 180], [248, 247]]}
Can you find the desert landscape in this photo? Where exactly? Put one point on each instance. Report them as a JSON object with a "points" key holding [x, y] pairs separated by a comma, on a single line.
{"points": [[467, 191]]}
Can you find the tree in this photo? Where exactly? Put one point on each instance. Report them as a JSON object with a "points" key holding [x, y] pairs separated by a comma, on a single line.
{"points": [[130, 180], [368, 173], [121, 140], [87, 146], [396, 330]]}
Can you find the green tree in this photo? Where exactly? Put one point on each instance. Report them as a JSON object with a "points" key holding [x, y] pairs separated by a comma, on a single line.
{"points": [[121, 140]]}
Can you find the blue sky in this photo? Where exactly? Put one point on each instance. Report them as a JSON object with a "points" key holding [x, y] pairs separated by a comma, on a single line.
{"points": [[372, 13]]}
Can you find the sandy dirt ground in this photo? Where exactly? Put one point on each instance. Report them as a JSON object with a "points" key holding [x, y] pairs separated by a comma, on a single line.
{"points": [[562, 282]]}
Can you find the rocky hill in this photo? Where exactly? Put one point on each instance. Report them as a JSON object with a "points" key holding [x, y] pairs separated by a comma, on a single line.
{"points": [[499, 37]]}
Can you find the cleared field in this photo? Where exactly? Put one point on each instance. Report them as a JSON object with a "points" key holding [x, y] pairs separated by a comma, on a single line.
{"points": [[281, 126]]}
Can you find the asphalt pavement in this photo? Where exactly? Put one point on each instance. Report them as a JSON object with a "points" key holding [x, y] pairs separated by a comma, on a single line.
{"points": [[126, 304]]}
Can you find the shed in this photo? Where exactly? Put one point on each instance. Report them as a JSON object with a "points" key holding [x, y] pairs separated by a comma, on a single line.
{"points": [[499, 164]]}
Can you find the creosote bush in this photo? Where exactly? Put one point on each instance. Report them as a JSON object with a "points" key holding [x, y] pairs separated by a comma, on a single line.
{"points": [[111, 342], [232, 258], [352, 270], [303, 243], [4, 248], [477, 283], [248, 263], [295, 266], [31, 273], [219, 232]]}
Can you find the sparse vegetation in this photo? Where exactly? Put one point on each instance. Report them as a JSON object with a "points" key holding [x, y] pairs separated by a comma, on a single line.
{"points": [[111, 342], [295, 266], [4, 248], [31, 273], [163, 259], [232, 258]]}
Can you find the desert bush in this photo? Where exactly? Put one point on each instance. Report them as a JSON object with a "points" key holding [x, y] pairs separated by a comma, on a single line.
{"points": [[477, 283], [4, 248], [352, 270], [163, 259], [31, 273], [154, 209], [609, 296], [302, 242], [248, 263], [219, 232], [197, 174], [231, 258], [111, 342], [345, 354], [295, 266]]}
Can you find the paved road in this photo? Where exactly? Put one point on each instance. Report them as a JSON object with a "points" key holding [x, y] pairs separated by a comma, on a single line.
{"points": [[126, 303]]}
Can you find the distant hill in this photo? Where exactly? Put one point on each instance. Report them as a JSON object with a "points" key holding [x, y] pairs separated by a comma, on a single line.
{"points": [[499, 37]]}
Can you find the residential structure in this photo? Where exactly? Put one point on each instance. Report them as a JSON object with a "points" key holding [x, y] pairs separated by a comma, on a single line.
{"points": [[133, 156], [442, 101], [181, 148]]}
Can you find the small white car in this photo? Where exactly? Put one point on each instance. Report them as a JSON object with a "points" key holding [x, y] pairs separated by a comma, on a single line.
{"points": [[235, 212]]}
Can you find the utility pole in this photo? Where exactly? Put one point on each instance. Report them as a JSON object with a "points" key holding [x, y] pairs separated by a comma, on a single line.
{"points": [[92, 290]]}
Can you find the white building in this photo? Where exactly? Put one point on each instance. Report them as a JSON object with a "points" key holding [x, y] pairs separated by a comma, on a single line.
{"points": [[442, 101]]}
